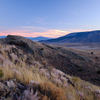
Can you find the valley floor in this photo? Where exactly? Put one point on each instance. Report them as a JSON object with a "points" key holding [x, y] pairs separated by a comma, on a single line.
{"points": [[87, 47]]}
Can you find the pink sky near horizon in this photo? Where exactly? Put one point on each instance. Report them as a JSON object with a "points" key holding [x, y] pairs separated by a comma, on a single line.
{"points": [[48, 33], [48, 18]]}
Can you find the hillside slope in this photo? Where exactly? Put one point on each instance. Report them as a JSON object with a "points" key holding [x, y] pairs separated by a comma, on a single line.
{"points": [[82, 65], [79, 37], [36, 71]]}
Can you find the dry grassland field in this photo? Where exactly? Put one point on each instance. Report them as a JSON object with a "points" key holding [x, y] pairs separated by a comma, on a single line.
{"points": [[86, 47]]}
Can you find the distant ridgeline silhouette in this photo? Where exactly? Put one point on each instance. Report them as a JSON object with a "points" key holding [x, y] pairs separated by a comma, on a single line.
{"points": [[39, 38], [78, 37]]}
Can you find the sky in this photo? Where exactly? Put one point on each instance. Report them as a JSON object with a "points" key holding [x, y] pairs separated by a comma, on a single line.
{"points": [[48, 18]]}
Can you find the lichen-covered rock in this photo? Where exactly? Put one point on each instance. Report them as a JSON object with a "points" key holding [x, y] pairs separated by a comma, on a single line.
{"points": [[11, 84]]}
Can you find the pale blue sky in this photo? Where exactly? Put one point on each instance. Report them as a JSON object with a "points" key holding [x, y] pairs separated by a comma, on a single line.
{"points": [[51, 18]]}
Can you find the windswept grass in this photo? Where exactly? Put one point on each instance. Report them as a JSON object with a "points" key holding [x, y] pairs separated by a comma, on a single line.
{"points": [[24, 75]]}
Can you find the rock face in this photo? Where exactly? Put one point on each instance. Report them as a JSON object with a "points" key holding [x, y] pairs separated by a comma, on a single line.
{"points": [[79, 37], [21, 41]]}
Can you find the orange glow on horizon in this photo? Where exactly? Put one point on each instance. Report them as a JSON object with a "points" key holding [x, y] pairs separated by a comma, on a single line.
{"points": [[49, 33]]}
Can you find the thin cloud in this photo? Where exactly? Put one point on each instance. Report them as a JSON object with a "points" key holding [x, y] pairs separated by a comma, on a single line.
{"points": [[75, 13], [77, 30], [47, 33], [28, 22], [32, 27], [26, 33], [41, 20], [65, 23]]}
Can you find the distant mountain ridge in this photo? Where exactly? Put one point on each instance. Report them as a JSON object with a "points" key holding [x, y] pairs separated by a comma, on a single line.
{"points": [[39, 38], [2, 37], [78, 37]]}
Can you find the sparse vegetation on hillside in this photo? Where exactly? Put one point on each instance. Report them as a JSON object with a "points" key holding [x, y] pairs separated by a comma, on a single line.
{"points": [[91, 52], [24, 77], [98, 72], [42, 49], [1, 73]]}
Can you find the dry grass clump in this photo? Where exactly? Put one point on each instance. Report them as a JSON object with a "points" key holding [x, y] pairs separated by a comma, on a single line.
{"points": [[26, 75], [23, 75], [8, 73], [47, 91], [75, 80], [42, 97], [84, 90], [58, 82], [51, 91], [5, 49]]}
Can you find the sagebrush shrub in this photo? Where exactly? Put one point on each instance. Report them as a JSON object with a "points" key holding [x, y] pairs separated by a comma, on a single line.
{"points": [[42, 49], [91, 52], [98, 72]]}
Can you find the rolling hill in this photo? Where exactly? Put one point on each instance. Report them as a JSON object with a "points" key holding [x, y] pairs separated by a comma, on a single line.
{"points": [[36, 71], [79, 64], [79, 37], [39, 38]]}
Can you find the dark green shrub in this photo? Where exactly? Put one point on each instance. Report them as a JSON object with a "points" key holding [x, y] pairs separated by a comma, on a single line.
{"points": [[58, 47], [98, 72], [42, 49], [80, 69], [96, 57], [91, 52], [11, 42]]}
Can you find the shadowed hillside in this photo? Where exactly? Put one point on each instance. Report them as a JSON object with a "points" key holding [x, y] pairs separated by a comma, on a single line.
{"points": [[36, 70]]}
